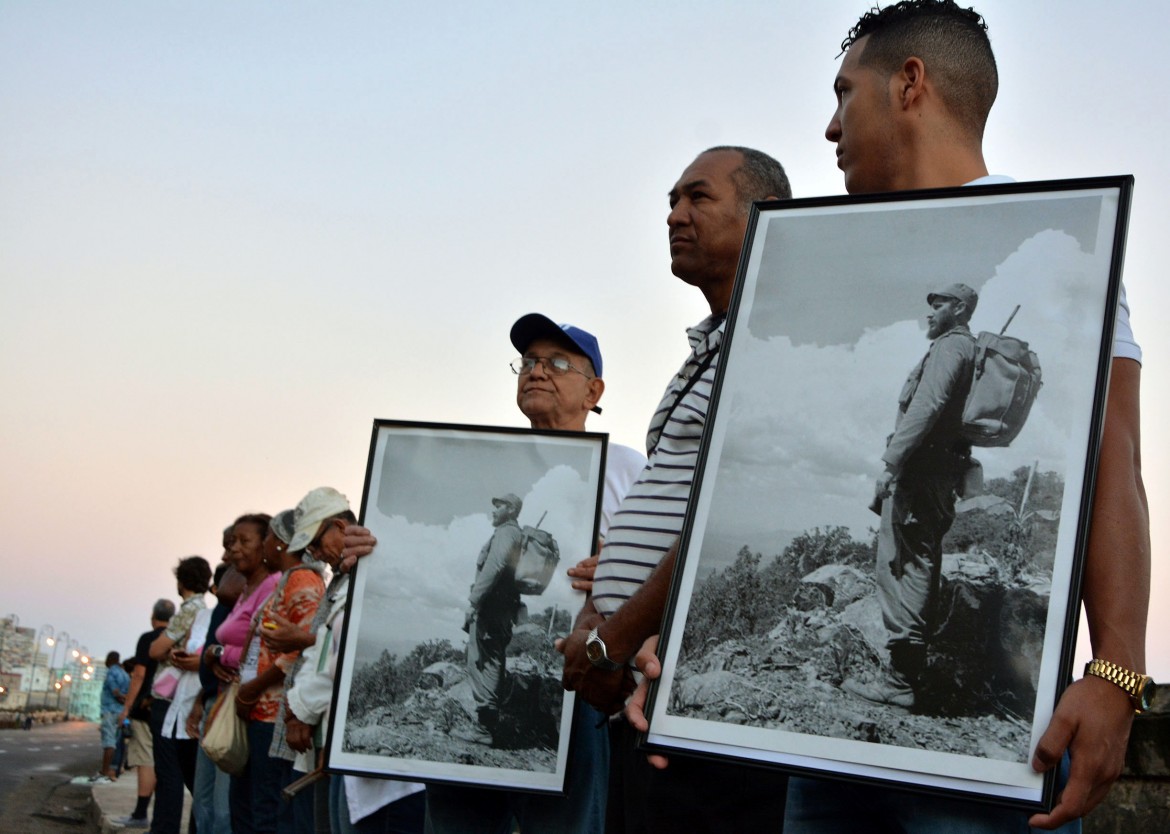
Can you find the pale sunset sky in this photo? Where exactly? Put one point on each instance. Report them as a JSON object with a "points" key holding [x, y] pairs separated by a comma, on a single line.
{"points": [[233, 234]]}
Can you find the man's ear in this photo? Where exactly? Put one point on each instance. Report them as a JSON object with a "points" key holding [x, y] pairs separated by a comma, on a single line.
{"points": [[596, 389], [911, 81]]}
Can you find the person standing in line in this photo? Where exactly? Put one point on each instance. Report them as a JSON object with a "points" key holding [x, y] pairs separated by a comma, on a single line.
{"points": [[210, 798], [114, 690], [226, 658], [140, 747], [709, 208], [174, 751], [356, 805], [558, 384]]}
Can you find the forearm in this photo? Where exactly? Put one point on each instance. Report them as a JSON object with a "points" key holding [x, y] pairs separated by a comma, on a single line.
{"points": [[270, 677], [161, 645], [641, 615], [135, 686], [1117, 569], [588, 616]]}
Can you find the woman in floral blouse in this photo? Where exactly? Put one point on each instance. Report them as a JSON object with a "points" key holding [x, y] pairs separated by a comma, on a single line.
{"points": [[295, 600]]}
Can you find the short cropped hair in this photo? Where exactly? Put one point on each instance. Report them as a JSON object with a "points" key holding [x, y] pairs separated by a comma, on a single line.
{"points": [[952, 42], [163, 610], [758, 177], [113, 659], [194, 574]]}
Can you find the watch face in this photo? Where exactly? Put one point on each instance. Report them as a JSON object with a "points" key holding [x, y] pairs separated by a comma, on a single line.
{"points": [[1146, 696], [593, 650]]}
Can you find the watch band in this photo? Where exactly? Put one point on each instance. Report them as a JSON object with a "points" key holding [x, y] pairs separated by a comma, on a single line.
{"points": [[1135, 684]]}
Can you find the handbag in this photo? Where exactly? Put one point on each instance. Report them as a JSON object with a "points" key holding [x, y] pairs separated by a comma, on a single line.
{"points": [[165, 683], [225, 741]]}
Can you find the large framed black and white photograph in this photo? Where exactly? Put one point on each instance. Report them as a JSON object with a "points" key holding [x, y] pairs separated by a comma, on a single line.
{"points": [[447, 671], [880, 570]]}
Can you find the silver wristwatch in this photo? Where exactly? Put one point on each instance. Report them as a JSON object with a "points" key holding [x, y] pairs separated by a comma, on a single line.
{"points": [[597, 654]]}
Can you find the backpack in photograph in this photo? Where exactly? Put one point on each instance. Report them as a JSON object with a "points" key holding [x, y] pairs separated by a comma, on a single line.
{"points": [[1005, 384], [537, 561]]}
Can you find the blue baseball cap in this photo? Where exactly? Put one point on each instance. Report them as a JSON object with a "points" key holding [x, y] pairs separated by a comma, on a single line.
{"points": [[533, 326]]}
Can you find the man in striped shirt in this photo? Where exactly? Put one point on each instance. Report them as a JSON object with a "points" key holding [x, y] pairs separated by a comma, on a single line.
{"points": [[707, 222]]}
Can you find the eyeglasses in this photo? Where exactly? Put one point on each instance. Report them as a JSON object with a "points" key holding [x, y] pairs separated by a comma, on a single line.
{"points": [[553, 365]]}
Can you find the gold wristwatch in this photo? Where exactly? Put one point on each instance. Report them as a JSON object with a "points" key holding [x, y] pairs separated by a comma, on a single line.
{"points": [[1140, 688]]}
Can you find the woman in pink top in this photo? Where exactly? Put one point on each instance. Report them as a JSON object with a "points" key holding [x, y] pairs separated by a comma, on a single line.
{"points": [[228, 660]]}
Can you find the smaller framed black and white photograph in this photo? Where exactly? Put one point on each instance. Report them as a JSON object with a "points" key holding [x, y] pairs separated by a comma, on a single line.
{"points": [[879, 573], [447, 671]]}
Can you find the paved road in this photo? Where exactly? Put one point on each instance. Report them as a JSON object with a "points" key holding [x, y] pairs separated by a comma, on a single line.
{"points": [[35, 768]]}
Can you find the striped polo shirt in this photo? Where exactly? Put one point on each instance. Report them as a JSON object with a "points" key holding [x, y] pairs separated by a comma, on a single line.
{"points": [[650, 517]]}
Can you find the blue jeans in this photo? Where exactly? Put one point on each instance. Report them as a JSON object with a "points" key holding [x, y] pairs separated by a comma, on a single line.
{"points": [[402, 817], [459, 810], [209, 798], [820, 806], [264, 774], [296, 817]]}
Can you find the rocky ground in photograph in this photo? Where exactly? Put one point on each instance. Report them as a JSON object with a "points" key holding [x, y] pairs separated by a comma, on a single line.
{"points": [[430, 722], [979, 687]]}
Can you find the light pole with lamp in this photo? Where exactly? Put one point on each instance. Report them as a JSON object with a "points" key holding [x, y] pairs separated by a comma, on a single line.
{"points": [[80, 655], [63, 641]]}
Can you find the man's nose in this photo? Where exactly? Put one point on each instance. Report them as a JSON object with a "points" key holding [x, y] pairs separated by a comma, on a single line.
{"points": [[833, 130]]}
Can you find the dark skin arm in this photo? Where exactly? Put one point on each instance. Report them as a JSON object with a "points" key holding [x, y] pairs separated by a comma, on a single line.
{"points": [[1093, 718], [136, 679], [251, 691], [220, 671], [194, 718], [298, 734], [624, 633], [185, 661], [286, 636]]}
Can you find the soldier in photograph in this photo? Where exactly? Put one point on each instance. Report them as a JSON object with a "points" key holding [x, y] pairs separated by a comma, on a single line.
{"points": [[925, 460], [493, 606]]}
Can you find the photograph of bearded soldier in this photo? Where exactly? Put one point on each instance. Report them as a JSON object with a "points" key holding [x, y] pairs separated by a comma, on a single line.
{"points": [[926, 459], [493, 606]]}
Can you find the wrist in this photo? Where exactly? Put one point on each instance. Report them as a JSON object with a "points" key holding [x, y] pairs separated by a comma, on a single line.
{"points": [[600, 653], [1138, 688]]}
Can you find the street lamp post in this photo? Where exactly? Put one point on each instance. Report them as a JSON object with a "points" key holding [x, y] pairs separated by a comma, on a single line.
{"points": [[80, 655]]}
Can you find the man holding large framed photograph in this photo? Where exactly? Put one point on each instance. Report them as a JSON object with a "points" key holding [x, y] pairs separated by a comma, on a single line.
{"points": [[710, 204], [558, 384], [913, 95]]}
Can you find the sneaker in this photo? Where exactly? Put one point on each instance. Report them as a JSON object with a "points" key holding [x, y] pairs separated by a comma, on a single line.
{"points": [[131, 821], [101, 780]]}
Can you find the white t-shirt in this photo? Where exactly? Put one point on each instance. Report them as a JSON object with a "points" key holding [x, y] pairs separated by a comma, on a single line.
{"points": [[1125, 346]]}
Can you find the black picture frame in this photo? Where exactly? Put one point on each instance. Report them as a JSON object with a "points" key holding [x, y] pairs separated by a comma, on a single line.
{"points": [[823, 326], [403, 699]]}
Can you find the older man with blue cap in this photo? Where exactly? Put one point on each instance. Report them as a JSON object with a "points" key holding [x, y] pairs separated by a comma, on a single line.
{"points": [[558, 384]]}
